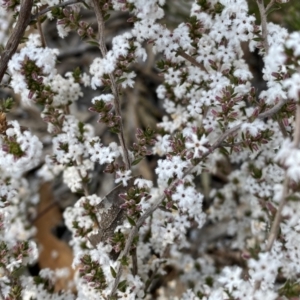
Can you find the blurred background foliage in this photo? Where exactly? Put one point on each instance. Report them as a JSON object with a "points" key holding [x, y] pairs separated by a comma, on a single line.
{"points": [[285, 14]]}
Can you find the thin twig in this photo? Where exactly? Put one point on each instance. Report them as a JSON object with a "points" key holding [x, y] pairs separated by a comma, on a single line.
{"points": [[49, 8], [283, 129], [134, 262], [1, 294], [276, 223], [271, 3], [16, 36], [45, 210], [191, 59], [264, 33], [40, 29], [264, 29], [272, 111], [150, 280], [297, 128], [275, 226], [114, 86]]}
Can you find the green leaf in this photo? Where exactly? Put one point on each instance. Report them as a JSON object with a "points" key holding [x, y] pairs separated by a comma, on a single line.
{"points": [[42, 19], [124, 261], [135, 240], [81, 128], [131, 221], [160, 65], [57, 12], [136, 161], [94, 43], [76, 74], [218, 7], [113, 272], [224, 151], [6, 105], [243, 136], [274, 8], [121, 80], [85, 5], [122, 286], [106, 17], [115, 130]]}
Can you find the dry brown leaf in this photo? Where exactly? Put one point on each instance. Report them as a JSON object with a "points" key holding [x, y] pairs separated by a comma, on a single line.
{"points": [[55, 253]]}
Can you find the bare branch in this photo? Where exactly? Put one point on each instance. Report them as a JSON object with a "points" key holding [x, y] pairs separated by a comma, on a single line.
{"points": [[16, 36], [40, 29], [272, 111], [276, 223], [114, 86], [49, 8], [192, 60], [271, 3], [263, 16], [297, 128], [264, 29]]}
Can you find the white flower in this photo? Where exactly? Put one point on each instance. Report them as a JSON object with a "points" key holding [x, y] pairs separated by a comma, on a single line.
{"points": [[168, 168], [44, 58], [253, 128], [103, 97], [292, 85], [293, 42], [231, 278], [127, 80], [173, 76], [14, 265], [197, 146], [100, 153], [289, 157], [143, 183], [189, 295], [265, 268], [123, 176]]}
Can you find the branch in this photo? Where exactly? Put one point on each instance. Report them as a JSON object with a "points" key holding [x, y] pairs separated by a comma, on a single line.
{"points": [[275, 226], [272, 111], [271, 3], [49, 8], [192, 60], [297, 128], [40, 29], [263, 18], [16, 36], [276, 223], [114, 86]]}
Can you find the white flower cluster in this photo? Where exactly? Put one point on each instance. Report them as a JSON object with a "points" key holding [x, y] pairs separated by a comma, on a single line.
{"points": [[289, 157], [66, 89], [20, 150], [216, 128], [108, 64], [43, 58], [17, 247], [70, 152]]}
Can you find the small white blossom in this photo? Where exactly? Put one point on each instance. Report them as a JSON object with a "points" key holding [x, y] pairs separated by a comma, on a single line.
{"points": [[123, 177]]}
